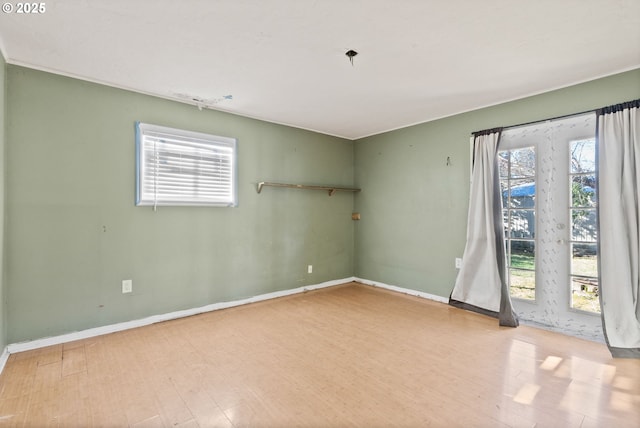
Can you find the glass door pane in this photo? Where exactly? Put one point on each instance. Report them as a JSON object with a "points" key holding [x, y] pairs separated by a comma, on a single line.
{"points": [[522, 269], [584, 231], [518, 187]]}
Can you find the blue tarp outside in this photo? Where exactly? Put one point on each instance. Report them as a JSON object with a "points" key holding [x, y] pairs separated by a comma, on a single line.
{"points": [[529, 189]]}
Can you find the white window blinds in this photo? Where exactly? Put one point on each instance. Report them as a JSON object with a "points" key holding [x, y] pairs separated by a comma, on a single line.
{"points": [[176, 167]]}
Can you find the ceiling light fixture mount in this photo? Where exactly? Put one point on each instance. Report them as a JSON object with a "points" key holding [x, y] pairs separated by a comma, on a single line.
{"points": [[203, 102], [351, 53]]}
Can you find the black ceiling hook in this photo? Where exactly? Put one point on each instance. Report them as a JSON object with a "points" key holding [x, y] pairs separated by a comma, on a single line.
{"points": [[351, 53]]}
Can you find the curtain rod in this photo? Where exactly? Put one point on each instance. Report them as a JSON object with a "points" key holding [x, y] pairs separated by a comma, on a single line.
{"points": [[595, 110], [552, 119]]}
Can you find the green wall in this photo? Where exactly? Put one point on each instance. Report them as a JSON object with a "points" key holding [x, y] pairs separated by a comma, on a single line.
{"points": [[73, 232], [414, 206], [3, 313]]}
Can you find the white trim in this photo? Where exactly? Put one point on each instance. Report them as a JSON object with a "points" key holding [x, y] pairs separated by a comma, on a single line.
{"points": [[404, 290], [3, 358], [51, 70], [98, 331], [175, 98], [504, 101]]}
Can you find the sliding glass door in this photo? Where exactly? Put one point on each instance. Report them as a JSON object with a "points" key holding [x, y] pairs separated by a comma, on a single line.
{"points": [[549, 193]]}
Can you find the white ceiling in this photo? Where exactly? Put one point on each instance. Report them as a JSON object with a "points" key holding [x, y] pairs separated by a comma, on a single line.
{"points": [[284, 60]]}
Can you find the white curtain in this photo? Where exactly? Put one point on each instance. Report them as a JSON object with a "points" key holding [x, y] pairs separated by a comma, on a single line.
{"points": [[619, 214], [480, 285]]}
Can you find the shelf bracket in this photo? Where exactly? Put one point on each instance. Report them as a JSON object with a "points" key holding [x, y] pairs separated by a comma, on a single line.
{"points": [[330, 189]]}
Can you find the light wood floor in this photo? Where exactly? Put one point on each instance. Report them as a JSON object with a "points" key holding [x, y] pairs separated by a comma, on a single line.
{"points": [[349, 355]]}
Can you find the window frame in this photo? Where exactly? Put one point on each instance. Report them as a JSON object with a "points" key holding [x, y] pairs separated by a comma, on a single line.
{"points": [[217, 143]]}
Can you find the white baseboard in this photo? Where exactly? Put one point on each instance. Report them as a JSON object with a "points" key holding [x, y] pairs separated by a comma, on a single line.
{"points": [[404, 290], [98, 331], [3, 358]]}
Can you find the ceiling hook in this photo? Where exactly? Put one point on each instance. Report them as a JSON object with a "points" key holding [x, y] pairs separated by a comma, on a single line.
{"points": [[351, 53]]}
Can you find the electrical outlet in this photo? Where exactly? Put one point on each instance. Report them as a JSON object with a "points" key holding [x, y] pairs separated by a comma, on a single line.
{"points": [[310, 269], [458, 263], [127, 286]]}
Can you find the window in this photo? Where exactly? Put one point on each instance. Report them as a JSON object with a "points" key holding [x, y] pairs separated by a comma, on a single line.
{"points": [[177, 167], [584, 229], [518, 188]]}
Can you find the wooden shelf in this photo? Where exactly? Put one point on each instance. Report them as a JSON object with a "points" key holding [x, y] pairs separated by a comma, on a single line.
{"points": [[330, 189]]}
